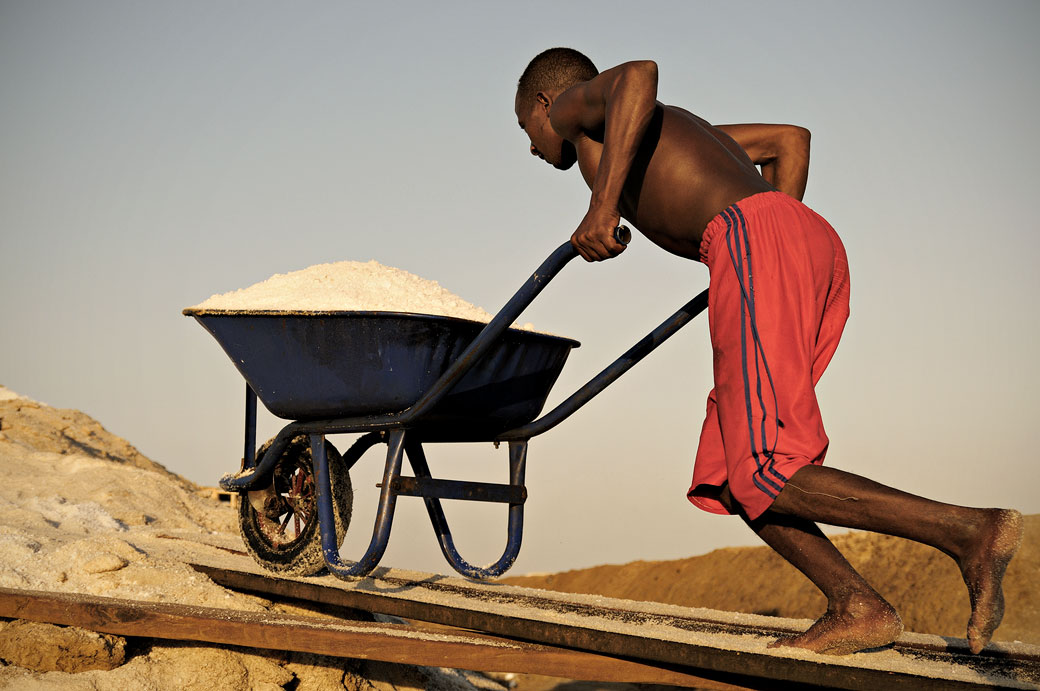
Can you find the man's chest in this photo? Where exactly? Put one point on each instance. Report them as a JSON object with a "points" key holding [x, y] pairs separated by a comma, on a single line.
{"points": [[590, 153]]}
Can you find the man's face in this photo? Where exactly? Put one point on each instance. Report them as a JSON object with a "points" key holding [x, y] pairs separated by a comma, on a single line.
{"points": [[546, 144]]}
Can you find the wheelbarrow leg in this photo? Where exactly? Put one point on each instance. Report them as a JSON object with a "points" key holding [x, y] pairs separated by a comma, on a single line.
{"points": [[515, 529], [254, 472], [384, 515], [249, 450]]}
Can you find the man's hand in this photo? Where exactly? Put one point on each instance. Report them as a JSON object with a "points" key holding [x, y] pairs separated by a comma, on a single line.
{"points": [[594, 239]]}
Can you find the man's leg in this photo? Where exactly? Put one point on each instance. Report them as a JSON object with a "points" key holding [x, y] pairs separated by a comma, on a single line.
{"points": [[981, 541], [794, 312], [857, 617], [795, 309]]}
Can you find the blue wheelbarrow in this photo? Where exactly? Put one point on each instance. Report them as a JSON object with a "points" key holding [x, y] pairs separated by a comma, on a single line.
{"points": [[403, 380]]}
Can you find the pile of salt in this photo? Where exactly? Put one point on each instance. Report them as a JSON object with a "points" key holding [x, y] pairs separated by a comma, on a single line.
{"points": [[349, 286]]}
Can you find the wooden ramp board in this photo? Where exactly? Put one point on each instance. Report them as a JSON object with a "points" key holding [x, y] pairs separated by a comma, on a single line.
{"points": [[717, 645], [400, 643]]}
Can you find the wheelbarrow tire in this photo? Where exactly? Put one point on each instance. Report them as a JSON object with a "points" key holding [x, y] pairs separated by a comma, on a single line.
{"points": [[285, 536]]}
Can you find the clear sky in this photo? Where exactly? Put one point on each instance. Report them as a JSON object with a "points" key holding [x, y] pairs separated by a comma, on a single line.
{"points": [[152, 154]]}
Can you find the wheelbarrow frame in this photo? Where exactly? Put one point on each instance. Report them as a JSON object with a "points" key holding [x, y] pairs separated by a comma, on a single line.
{"points": [[398, 431]]}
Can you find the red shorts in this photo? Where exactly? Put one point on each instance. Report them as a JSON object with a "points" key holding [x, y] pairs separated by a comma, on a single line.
{"points": [[778, 301]]}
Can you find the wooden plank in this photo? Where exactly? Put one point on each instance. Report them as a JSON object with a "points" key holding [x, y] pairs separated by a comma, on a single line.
{"points": [[714, 645], [363, 640]]}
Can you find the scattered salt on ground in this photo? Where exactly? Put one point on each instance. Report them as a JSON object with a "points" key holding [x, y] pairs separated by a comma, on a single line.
{"points": [[72, 523], [348, 286]]}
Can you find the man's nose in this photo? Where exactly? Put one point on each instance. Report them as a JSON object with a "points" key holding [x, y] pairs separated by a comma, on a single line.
{"points": [[534, 151]]}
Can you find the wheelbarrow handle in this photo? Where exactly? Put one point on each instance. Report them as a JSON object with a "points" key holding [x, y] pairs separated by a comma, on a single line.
{"points": [[489, 335], [505, 317], [622, 235]]}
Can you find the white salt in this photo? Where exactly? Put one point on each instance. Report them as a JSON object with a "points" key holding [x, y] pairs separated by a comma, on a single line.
{"points": [[71, 517], [347, 286]]}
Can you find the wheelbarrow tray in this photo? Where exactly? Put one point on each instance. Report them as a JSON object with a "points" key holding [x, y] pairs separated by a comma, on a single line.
{"points": [[320, 365]]}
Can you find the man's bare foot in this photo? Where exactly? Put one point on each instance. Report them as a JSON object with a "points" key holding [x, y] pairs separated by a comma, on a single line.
{"points": [[863, 621], [983, 570]]}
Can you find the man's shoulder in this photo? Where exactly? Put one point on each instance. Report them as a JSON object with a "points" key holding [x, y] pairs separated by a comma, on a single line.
{"points": [[686, 117]]}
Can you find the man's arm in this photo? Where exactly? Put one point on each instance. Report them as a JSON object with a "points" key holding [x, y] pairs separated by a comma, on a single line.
{"points": [[621, 102], [781, 150]]}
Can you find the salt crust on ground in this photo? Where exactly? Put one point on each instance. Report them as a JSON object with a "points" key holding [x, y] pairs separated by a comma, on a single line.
{"points": [[81, 523], [348, 286]]}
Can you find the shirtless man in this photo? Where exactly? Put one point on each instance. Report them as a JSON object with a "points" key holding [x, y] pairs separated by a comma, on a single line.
{"points": [[694, 190]]}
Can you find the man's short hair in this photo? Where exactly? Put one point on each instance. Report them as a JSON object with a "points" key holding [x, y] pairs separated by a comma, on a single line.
{"points": [[556, 68]]}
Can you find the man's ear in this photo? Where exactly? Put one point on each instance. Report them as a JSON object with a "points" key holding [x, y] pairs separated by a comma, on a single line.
{"points": [[543, 99]]}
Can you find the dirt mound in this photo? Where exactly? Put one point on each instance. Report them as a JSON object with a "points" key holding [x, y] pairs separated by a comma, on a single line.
{"points": [[50, 648], [923, 584], [42, 428]]}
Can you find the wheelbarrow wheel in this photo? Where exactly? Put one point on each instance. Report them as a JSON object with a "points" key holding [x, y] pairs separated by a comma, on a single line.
{"points": [[280, 524]]}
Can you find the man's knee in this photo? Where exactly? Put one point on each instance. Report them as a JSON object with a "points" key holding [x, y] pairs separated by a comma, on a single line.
{"points": [[752, 489], [725, 498]]}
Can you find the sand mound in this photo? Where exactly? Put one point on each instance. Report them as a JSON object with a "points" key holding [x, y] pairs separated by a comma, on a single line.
{"points": [[923, 584], [82, 511]]}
